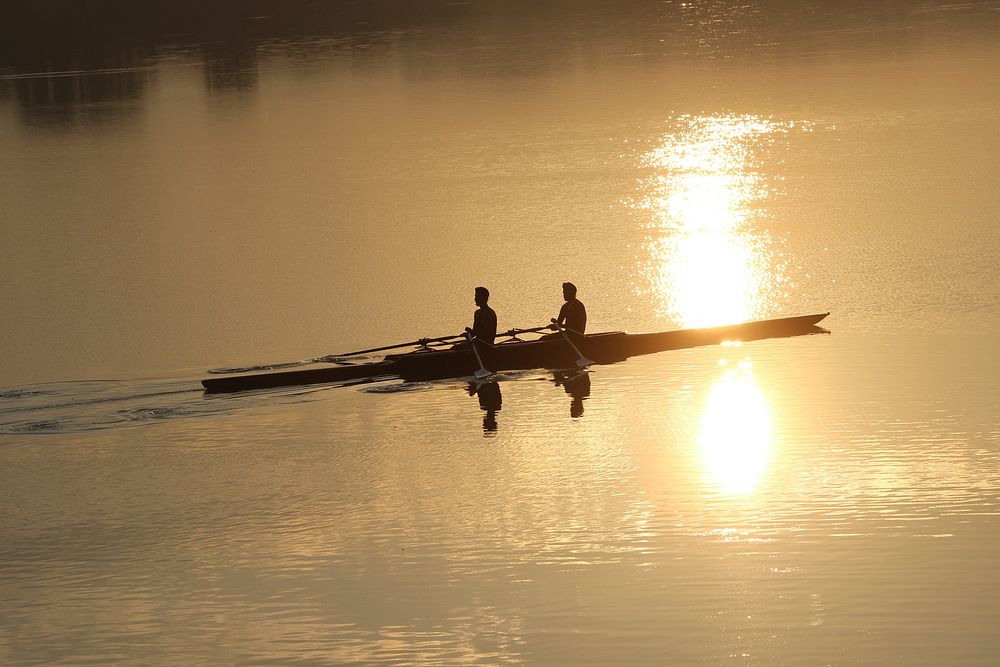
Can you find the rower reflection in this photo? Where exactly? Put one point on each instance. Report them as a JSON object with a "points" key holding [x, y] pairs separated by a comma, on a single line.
{"points": [[490, 400], [577, 384]]}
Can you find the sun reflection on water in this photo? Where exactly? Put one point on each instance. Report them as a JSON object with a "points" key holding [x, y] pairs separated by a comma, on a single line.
{"points": [[735, 434], [709, 261]]}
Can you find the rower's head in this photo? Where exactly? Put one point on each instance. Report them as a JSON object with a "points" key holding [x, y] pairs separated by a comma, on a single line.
{"points": [[482, 296], [569, 291]]}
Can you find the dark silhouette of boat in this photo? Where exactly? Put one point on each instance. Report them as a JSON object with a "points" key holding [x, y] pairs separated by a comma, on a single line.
{"points": [[553, 352]]}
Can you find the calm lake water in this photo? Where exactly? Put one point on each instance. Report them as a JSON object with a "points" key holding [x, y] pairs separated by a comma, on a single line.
{"points": [[183, 189]]}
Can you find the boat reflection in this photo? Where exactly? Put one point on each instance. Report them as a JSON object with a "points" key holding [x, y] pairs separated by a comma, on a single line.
{"points": [[577, 385], [710, 260], [735, 434], [490, 401]]}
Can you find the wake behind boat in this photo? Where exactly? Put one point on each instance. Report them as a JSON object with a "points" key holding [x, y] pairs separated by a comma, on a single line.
{"points": [[427, 363]]}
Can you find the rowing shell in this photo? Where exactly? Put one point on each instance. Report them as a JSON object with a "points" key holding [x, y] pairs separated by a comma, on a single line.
{"points": [[554, 352]]}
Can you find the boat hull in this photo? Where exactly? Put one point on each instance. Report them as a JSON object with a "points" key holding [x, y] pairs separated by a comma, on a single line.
{"points": [[551, 352]]}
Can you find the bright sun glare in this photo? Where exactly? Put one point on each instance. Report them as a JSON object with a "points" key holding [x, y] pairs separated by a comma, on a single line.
{"points": [[735, 434], [710, 263]]}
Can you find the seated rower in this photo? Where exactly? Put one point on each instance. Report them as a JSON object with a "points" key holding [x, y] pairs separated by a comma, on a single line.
{"points": [[484, 321], [572, 315]]}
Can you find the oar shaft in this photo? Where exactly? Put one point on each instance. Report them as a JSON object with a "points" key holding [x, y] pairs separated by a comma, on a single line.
{"points": [[482, 372], [571, 343], [425, 341], [421, 341], [582, 359], [514, 332]]}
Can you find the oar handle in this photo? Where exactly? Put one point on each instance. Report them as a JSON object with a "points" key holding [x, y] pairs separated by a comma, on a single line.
{"points": [[555, 325]]}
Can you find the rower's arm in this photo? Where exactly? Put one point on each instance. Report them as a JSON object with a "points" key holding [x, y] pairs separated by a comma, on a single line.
{"points": [[562, 316]]}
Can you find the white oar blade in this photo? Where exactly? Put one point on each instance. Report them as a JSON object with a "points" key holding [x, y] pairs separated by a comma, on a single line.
{"points": [[482, 373], [584, 362]]}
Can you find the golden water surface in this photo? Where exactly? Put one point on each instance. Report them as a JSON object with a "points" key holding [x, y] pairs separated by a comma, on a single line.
{"points": [[211, 186]]}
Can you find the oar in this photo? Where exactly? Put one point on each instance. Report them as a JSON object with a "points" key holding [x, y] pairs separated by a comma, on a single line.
{"points": [[583, 361], [512, 333], [336, 358], [482, 372], [333, 358], [421, 341]]}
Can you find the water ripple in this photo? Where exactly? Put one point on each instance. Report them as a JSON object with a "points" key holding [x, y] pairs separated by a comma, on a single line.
{"points": [[76, 407]]}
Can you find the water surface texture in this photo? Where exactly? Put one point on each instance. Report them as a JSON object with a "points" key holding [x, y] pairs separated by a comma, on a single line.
{"points": [[234, 184]]}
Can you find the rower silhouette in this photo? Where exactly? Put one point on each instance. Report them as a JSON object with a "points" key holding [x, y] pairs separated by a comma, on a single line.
{"points": [[573, 314], [484, 320]]}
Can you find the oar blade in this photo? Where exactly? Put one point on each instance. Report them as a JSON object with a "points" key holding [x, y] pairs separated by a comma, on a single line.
{"points": [[583, 362], [482, 373]]}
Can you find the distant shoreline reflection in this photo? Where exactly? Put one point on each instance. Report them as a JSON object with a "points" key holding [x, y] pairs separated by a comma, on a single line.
{"points": [[735, 433]]}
